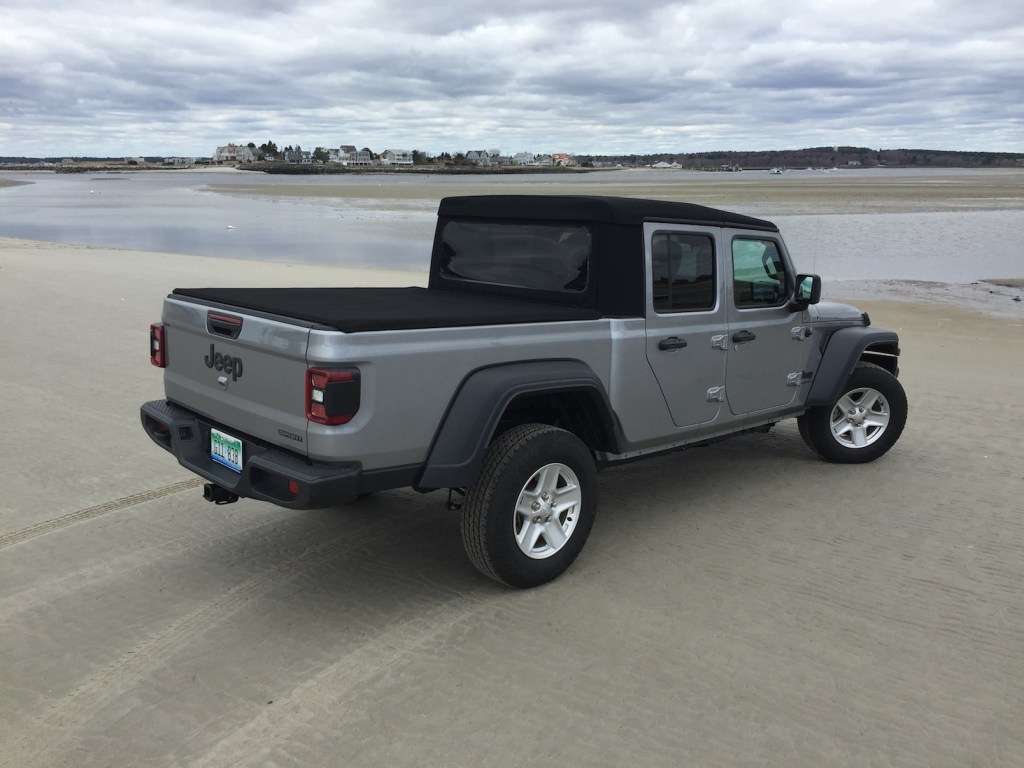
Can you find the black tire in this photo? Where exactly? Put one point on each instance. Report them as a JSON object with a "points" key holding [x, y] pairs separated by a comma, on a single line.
{"points": [[863, 423], [514, 548]]}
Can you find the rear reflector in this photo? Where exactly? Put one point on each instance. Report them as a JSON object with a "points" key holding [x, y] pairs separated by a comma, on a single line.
{"points": [[157, 348], [332, 397]]}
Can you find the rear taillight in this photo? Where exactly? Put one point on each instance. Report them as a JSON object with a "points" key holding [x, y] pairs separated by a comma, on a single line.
{"points": [[332, 397], [157, 348]]}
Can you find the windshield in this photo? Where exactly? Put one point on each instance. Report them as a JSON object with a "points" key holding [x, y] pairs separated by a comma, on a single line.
{"points": [[547, 257]]}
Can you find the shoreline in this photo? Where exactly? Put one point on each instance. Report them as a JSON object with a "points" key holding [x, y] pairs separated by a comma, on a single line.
{"points": [[995, 297]]}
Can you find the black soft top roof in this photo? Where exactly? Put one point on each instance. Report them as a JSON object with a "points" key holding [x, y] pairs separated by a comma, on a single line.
{"points": [[614, 210]]}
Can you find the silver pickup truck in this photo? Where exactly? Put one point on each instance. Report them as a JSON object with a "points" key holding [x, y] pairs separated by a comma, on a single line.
{"points": [[556, 335]]}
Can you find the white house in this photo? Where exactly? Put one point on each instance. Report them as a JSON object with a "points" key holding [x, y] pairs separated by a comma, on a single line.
{"points": [[396, 157], [234, 153], [342, 154], [360, 157], [485, 157]]}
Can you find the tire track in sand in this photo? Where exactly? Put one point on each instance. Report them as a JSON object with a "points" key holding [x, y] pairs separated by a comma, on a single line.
{"points": [[68, 581], [81, 515], [41, 737]]}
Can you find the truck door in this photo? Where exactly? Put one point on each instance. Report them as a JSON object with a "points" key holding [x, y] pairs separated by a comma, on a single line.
{"points": [[686, 320], [765, 353]]}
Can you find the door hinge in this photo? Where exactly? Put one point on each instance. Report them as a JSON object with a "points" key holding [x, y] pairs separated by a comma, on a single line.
{"points": [[716, 395], [797, 378], [720, 342]]}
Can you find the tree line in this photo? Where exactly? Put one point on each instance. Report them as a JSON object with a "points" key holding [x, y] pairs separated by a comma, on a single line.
{"points": [[818, 157]]}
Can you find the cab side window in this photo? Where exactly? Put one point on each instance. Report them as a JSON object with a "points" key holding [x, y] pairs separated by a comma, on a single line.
{"points": [[683, 275], [759, 273]]}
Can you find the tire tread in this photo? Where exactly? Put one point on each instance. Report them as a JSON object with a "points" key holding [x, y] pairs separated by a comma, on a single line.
{"points": [[816, 431], [480, 501]]}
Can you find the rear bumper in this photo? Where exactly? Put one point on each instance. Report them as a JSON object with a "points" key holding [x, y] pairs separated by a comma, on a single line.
{"points": [[267, 469]]}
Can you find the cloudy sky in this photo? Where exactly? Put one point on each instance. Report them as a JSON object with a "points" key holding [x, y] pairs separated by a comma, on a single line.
{"points": [[179, 77]]}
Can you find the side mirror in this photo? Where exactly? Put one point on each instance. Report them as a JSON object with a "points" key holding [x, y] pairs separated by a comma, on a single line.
{"points": [[808, 291]]}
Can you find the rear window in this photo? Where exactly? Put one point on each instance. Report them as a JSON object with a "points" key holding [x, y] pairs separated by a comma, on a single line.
{"points": [[546, 257]]}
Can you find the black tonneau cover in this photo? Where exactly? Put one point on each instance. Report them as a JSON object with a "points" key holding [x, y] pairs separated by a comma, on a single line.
{"points": [[355, 310]]}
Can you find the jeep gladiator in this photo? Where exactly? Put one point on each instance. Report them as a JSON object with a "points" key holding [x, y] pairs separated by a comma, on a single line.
{"points": [[556, 335]]}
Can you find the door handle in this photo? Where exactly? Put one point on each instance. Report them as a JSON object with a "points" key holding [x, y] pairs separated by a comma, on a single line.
{"points": [[742, 337], [672, 342]]}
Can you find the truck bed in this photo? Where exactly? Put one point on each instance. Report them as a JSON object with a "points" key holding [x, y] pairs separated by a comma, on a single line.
{"points": [[357, 310]]}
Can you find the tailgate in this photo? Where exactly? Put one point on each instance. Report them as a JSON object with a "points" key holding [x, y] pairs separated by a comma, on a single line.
{"points": [[245, 372]]}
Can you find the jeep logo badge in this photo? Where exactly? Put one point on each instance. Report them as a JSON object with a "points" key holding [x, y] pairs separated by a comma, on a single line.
{"points": [[225, 363]]}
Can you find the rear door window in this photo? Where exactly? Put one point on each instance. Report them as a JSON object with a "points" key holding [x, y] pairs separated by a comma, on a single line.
{"points": [[682, 272]]}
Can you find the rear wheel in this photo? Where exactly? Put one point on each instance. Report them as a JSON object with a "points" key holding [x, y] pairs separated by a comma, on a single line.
{"points": [[863, 423], [531, 509]]}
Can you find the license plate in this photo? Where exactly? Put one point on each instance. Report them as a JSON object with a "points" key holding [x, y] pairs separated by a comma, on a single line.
{"points": [[226, 449]]}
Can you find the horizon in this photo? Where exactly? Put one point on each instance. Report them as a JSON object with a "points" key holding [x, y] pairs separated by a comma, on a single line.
{"points": [[839, 149]]}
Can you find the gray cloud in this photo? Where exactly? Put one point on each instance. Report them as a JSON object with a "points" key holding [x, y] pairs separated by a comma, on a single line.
{"points": [[105, 78]]}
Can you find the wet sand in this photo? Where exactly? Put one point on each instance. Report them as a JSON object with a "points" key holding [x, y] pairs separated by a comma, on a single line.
{"points": [[854, 191]]}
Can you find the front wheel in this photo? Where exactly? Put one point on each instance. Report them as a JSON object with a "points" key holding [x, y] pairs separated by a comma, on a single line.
{"points": [[863, 423], [528, 514]]}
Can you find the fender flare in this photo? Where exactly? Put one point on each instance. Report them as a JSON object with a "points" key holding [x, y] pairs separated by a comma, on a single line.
{"points": [[844, 349], [459, 445]]}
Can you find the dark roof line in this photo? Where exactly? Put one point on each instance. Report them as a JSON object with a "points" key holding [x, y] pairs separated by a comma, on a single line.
{"points": [[615, 210]]}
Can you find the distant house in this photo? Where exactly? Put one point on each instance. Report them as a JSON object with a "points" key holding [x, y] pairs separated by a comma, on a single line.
{"points": [[396, 157], [361, 157], [342, 154], [297, 157], [662, 165], [234, 153], [484, 157], [524, 158]]}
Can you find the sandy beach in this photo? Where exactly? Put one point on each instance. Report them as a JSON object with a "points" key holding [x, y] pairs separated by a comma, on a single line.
{"points": [[836, 616]]}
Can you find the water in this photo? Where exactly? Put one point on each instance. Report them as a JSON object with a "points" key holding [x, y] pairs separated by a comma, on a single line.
{"points": [[173, 212], [392, 224], [946, 247]]}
